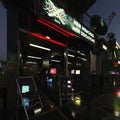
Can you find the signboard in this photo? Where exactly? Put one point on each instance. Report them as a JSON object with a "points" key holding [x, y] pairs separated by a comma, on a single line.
{"points": [[58, 15]]}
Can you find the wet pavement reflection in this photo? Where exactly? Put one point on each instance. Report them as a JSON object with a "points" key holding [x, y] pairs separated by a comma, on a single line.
{"points": [[104, 107]]}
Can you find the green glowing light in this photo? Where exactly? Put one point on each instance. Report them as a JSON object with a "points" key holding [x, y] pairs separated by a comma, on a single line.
{"points": [[102, 22]]}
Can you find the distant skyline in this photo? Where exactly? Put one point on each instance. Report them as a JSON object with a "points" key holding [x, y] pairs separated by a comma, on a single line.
{"points": [[104, 8]]}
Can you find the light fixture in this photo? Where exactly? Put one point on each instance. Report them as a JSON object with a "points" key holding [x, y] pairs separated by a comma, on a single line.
{"points": [[47, 37], [83, 54], [20, 55], [37, 111], [30, 62], [71, 55], [41, 47], [77, 100], [104, 47], [34, 57], [69, 63], [52, 56], [69, 82], [116, 47], [117, 44], [55, 60], [84, 59]]}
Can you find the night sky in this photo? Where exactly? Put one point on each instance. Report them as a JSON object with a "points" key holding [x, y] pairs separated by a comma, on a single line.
{"points": [[104, 8], [3, 33]]}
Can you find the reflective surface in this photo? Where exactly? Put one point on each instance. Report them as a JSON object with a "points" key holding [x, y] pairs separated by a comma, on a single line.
{"points": [[104, 107]]}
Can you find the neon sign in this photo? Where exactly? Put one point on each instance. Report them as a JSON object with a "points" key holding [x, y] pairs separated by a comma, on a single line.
{"points": [[52, 11], [59, 16]]}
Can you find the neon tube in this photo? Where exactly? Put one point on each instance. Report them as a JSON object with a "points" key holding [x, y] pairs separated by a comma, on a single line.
{"points": [[41, 47], [55, 27], [34, 57], [52, 27], [47, 39]]}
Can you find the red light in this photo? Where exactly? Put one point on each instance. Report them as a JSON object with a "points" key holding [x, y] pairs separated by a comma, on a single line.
{"points": [[115, 62], [116, 92], [53, 71], [47, 39], [55, 27]]}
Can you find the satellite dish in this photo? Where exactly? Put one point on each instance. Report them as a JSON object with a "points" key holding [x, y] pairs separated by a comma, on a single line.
{"points": [[98, 25]]}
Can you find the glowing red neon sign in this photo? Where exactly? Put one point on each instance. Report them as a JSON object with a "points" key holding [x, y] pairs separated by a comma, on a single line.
{"points": [[55, 27], [47, 39]]}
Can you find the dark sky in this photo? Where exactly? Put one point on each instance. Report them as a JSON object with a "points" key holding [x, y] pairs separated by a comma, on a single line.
{"points": [[104, 8], [3, 33]]}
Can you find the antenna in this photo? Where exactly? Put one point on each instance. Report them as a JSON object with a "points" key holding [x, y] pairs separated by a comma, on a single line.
{"points": [[110, 18]]}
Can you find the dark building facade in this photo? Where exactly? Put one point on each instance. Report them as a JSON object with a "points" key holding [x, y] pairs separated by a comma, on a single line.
{"points": [[45, 42]]}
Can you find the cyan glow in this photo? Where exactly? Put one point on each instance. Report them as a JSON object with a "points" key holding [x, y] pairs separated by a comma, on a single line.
{"points": [[25, 88]]}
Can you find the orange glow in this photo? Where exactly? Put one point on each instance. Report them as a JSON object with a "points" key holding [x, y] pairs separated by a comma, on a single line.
{"points": [[47, 39]]}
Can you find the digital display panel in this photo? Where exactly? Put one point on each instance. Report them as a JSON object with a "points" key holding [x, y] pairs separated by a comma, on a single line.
{"points": [[77, 72], [53, 71], [26, 102], [25, 88], [50, 82], [73, 71]]}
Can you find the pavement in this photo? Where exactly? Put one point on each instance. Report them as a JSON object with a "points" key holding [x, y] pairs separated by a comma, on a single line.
{"points": [[103, 107]]}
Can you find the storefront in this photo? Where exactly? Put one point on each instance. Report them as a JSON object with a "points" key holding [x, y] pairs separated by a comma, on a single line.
{"points": [[53, 45], [49, 45]]}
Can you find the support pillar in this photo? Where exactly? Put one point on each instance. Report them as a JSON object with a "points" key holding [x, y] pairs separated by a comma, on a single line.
{"points": [[11, 59]]}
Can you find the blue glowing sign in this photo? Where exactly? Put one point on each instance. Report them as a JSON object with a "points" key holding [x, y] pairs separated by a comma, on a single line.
{"points": [[26, 102]]}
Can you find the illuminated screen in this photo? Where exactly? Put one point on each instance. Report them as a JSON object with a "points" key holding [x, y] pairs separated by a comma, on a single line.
{"points": [[50, 82], [25, 88], [26, 102], [73, 71], [53, 71], [77, 72]]}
